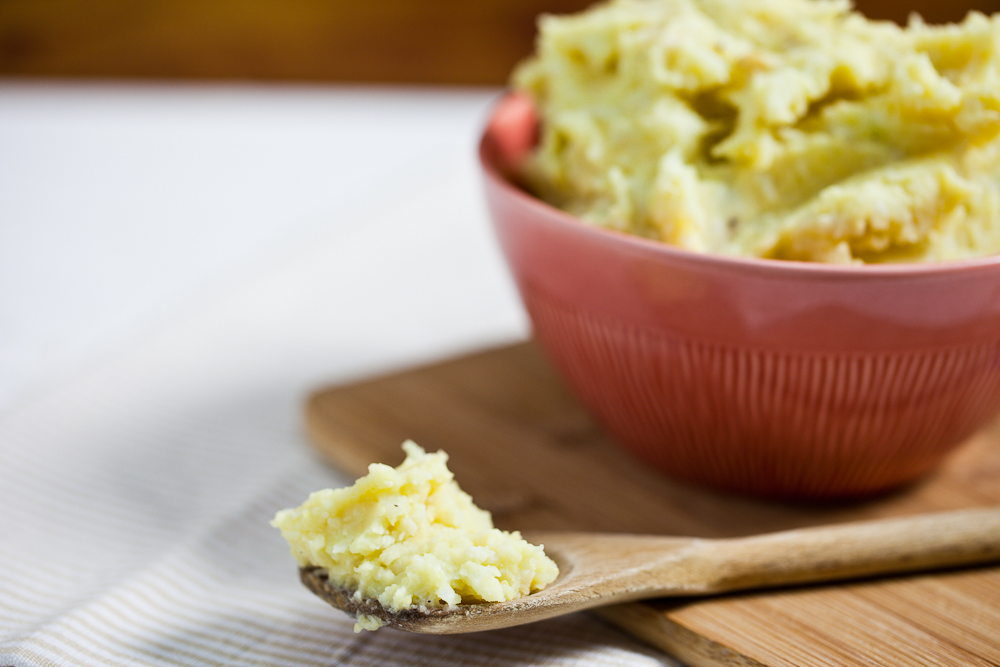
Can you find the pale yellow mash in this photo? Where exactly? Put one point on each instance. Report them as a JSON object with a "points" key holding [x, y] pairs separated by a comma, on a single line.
{"points": [[789, 129], [410, 537]]}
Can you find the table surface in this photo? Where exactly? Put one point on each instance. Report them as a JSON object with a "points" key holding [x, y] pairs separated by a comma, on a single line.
{"points": [[179, 267], [123, 205]]}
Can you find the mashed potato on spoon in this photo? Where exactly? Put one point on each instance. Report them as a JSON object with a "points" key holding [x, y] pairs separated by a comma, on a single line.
{"points": [[409, 537], [786, 129]]}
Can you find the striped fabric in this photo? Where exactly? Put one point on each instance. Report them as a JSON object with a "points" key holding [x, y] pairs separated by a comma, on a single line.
{"points": [[134, 500], [135, 533]]}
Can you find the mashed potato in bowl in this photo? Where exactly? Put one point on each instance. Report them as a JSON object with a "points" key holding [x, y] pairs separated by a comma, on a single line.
{"points": [[784, 129]]}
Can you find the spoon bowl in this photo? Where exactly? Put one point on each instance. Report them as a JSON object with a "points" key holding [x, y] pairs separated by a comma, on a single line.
{"points": [[602, 569]]}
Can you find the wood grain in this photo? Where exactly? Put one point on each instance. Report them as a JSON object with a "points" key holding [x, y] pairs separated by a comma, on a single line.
{"points": [[384, 41], [601, 569], [523, 447]]}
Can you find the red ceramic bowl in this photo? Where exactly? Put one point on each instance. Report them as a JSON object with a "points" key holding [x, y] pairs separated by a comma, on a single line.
{"points": [[766, 377]]}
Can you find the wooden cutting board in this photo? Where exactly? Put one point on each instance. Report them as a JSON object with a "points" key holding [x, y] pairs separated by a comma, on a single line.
{"points": [[526, 451]]}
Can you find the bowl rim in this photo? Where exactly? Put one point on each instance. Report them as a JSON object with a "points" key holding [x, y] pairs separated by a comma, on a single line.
{"points": [[753, 265]]}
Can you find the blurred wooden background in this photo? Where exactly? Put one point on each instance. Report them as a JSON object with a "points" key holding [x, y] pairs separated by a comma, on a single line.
{"points": [[386, 41]]}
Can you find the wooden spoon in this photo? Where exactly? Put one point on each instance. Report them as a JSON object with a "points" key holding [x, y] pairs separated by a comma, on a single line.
{"points": [[601, 569]]}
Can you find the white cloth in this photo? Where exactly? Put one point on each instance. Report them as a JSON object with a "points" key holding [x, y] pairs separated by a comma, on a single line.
{"points": [[179, 267]]}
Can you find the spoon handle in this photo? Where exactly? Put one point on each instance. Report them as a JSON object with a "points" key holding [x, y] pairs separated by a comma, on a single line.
{"points": [[850, 550]]}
